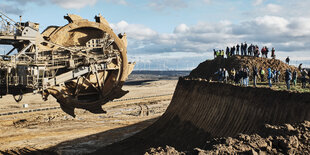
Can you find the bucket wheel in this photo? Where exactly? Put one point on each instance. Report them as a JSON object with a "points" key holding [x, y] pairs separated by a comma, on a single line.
{"points": [[99, 85]]}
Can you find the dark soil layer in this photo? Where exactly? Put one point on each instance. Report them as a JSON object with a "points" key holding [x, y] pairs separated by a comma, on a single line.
{"points": [[284, 139], [201, 111], [207, 68]]}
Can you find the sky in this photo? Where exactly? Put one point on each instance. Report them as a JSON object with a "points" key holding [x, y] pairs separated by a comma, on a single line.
{"points": [[180, 34]]}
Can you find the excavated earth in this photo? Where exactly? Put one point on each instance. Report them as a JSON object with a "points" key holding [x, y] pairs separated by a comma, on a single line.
{"points": [[280, 139], [203, 116], [55, 132], [207, 68]]}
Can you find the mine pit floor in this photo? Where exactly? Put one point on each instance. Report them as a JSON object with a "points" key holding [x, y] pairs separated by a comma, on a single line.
{"points": [[54, 131]]}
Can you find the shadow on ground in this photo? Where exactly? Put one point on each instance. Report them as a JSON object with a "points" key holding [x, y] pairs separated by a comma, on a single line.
{"points": [[140, 82], [88, 143]]}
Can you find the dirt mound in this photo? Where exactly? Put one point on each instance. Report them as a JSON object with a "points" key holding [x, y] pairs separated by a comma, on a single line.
{"points": [[284, 139], [207, 68], [163, 151], [201, 110]]}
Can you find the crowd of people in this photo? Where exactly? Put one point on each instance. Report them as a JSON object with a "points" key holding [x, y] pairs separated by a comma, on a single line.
{"points": [[244, 50], [243, 75]]}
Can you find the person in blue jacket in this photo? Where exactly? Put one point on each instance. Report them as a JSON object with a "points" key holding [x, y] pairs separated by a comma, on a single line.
{"points": [[269, 77], [288, 78]]}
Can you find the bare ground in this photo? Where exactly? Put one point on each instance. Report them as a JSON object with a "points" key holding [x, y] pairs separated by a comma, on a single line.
{"points": [[56, 132]]}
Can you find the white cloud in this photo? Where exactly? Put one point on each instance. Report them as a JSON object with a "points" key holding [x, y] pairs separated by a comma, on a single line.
{"points": [[74, 4], [207, 1], [10, 9], [134, 31], [257, 2], [17, 7], [196, 42], [164, 4], [67, 4], [272, 24], [182, 28], [28, 1], [300, 27], [121, 2], [273, 8]]}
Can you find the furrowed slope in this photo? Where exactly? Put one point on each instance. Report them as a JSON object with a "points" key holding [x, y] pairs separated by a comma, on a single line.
{"points": [[200, 111]]}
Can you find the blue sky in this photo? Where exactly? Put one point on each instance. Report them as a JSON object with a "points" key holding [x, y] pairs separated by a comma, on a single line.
{"points": [[179, 34]]}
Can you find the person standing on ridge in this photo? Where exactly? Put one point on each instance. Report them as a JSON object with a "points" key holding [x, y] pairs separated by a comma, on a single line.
{"points": [[246, 76], [219, 73], [274, 72], [227, 50], [294, 78], [253, 49], [237, 77], [215, 53], [233, 74], [262, 74], [288, 78], [249, 51], [273, 56], [225, 75], [263, 52], [309, 76], [233, 51], [257, 53], [237, 52], [241, 74], [267, 51], [245, 48], [287, 60], [254, 76], [227, 53], [303, 78], [300, 67], [242, 48], [269, 77]]}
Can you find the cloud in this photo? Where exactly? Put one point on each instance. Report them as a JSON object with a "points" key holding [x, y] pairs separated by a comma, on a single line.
{"points": [[268, 9], [121, 2], [257, 2], [67, 4], [196, 42], [160, 5], [207, 1], [300, 27], [182, 28], [23, 2], [273, 8], [134, 31], [74, 4], [10, 9], [14, 6], [271, 24]]}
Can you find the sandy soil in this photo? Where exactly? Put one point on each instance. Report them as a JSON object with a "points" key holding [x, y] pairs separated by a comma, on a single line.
{"points": [[60, 133]]}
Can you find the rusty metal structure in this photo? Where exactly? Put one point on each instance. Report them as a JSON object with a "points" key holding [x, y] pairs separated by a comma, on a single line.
{"points": [[82, 64]]}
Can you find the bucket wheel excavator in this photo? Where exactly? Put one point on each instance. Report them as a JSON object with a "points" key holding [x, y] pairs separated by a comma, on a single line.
{"points": [[82, 64]]}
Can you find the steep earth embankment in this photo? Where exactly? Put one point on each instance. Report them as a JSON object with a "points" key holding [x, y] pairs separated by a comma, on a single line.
{"points": [[201, 110]]}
